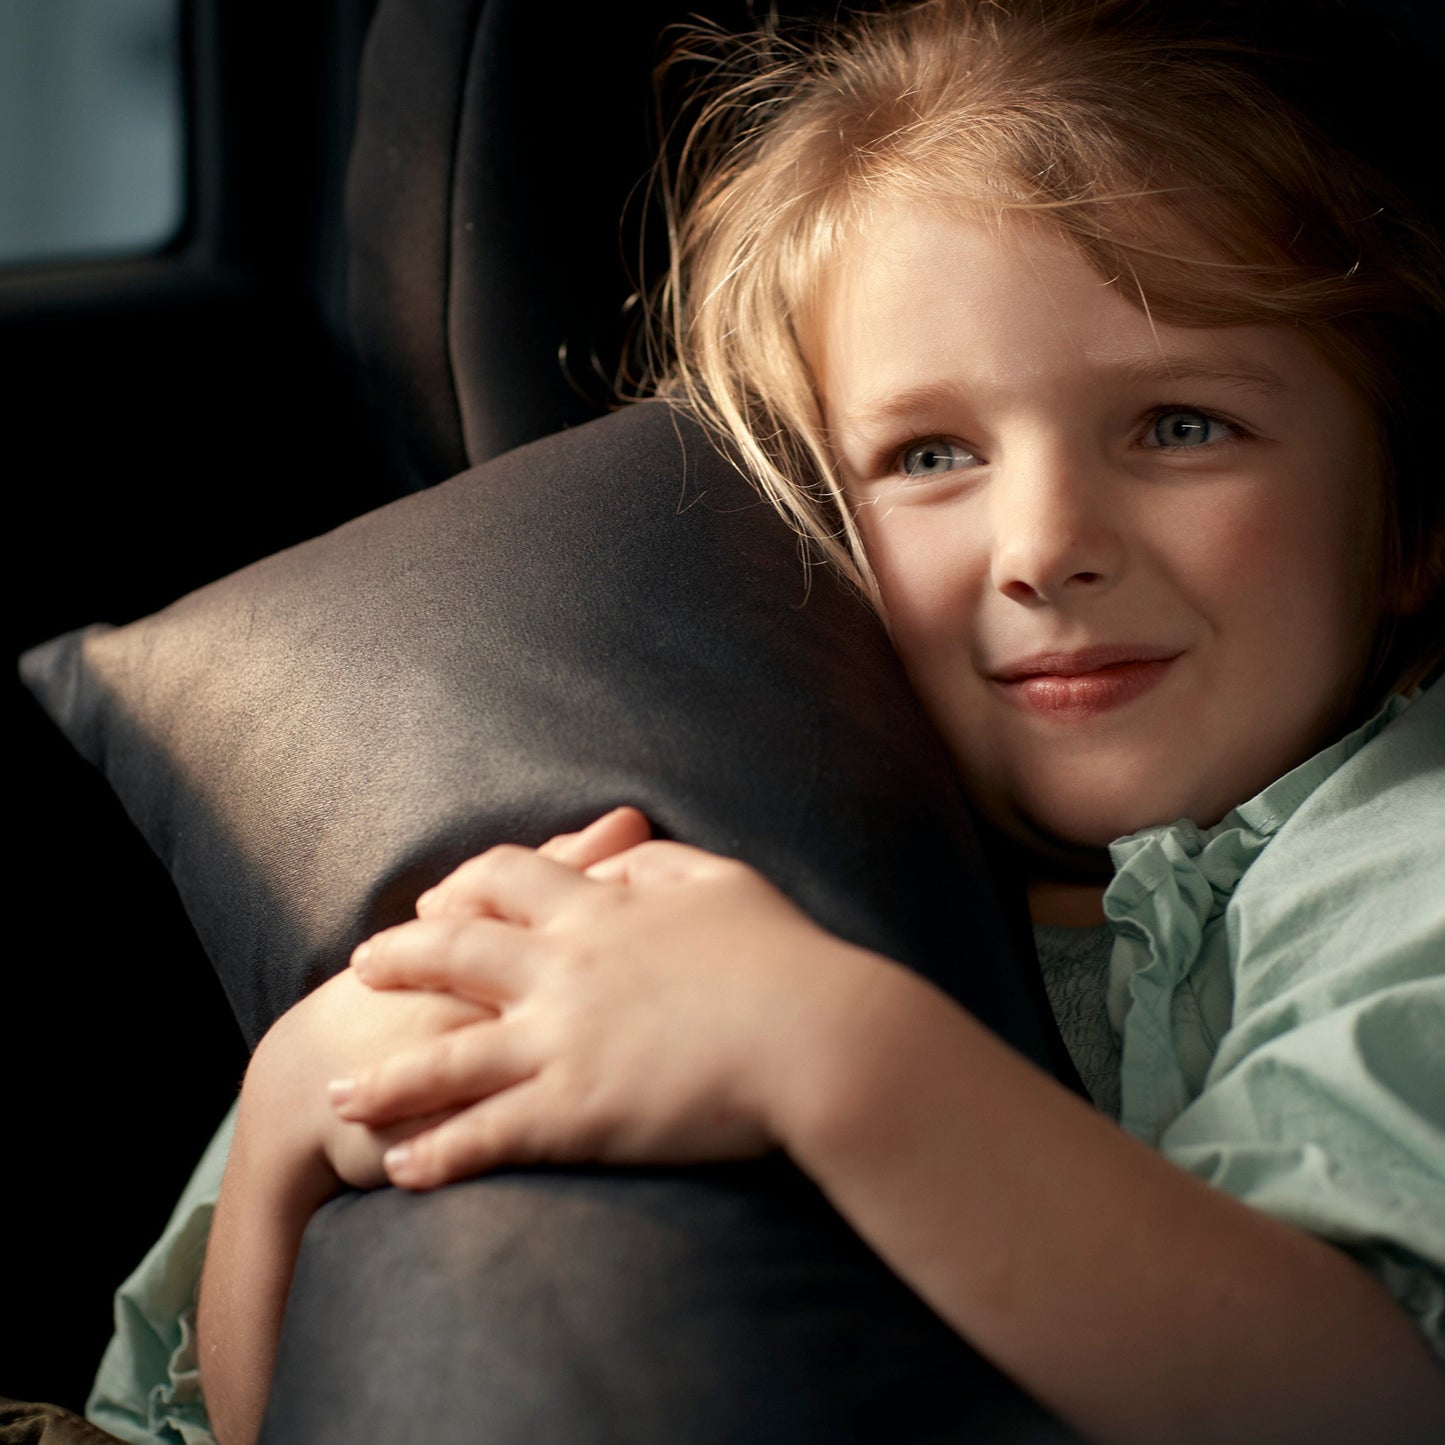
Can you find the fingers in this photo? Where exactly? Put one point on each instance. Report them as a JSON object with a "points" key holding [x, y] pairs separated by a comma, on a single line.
{"points": [[500, 1130], [657, 861], [523, 885], [482, 960], [356, 1152], [457, 1068], [465, 889], [612, 833]]}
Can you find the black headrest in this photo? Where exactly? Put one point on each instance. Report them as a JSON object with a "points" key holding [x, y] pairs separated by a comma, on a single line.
{"points": [[497, 144]]}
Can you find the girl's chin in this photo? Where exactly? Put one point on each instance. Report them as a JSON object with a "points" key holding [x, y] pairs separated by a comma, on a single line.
{"points": [[1076, 848], [1084, 817], [1073, 845], [1047, 855]]}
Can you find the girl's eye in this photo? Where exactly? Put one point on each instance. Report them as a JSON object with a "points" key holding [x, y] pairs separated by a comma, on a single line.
{"points": [[935, 458], [1180, 427]]}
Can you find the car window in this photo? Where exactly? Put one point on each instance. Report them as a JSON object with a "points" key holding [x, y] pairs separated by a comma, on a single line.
{"points": [[92, 140]]}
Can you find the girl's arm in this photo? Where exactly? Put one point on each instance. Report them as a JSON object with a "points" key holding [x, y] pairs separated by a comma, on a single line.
{"points": [[672, 1006], [289, 1155], [1136, 1301], [270, 1190], [291, 1152]]}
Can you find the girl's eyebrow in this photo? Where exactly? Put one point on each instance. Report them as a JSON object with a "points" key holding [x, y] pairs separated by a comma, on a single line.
{"points": [[894, 406], [1230, 371], [1156, 367]]}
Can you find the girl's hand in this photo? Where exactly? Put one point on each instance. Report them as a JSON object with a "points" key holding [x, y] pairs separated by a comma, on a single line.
{"points": [[609, 835], [656, 1007], [342, 1026], [338, 1027], [290, 1154]]}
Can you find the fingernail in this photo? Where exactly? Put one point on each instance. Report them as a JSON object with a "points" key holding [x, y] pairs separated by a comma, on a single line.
{"points": [[397, 1158], [360, 954], [340, 1091]]}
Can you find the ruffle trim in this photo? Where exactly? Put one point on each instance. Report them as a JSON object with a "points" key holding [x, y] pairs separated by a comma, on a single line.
{"points": [[1166, 902]]}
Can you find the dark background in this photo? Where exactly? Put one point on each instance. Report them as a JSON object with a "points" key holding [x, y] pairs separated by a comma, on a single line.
{"points": [[174, 417]]}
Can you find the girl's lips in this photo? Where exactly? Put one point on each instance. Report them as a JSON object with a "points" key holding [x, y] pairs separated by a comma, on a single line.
{"points": [[1070, 694]]}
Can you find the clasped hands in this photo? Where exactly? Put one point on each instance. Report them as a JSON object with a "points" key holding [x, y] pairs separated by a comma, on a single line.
{"points": [[606, 998]]}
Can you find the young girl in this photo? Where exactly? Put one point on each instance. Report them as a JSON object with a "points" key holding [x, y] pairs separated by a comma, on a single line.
{"points": [[1101, 369]]}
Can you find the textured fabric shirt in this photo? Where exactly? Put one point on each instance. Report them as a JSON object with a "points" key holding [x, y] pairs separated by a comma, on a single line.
{"points": [[1074, 963], [148, 1388], [1277, 984]]}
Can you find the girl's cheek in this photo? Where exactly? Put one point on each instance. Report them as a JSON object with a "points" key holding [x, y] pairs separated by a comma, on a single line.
{"points": [[928, 569]]}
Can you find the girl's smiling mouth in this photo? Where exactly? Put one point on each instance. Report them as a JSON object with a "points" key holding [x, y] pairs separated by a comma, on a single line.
{"points": [[1076, 686]]}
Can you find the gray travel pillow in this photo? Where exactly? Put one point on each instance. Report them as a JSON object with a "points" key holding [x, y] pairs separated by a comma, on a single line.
{"points": [[609, 615]]}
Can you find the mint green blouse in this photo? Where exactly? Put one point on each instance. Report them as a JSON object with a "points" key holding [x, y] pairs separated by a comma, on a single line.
{"points": [[1277, 986], [1276, 990]]}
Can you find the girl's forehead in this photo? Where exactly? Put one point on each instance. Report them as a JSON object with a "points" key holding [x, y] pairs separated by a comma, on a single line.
{"points": [[977, 292], [946, 326], [915, 286], [1184, 254], [1132, 240]]}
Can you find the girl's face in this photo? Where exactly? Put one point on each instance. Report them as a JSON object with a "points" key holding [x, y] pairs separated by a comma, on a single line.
{"points": [[1132, 568]]}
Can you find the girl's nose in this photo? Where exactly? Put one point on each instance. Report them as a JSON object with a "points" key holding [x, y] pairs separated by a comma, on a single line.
{"points": [[1055, 539]]}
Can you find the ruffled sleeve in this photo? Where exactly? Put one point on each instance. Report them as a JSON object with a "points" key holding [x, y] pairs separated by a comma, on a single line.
{"points": [[1170, 990], [148, 1390], [1324, 1100]]}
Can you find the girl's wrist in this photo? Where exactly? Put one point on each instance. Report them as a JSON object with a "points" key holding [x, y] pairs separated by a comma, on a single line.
{"points": [[282, 1123], [853, 1017], [895, 1038]]}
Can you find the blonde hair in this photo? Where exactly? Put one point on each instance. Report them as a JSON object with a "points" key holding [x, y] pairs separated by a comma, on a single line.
{"points": [[1157, 144]]}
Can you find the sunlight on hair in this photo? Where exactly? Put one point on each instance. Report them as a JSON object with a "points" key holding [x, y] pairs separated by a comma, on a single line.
{"points": [[1213, 204]]}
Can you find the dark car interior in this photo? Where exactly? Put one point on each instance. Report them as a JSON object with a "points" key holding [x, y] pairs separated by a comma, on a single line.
{"points": [[402, 243], [222, 400], [178, 413], [183, 411]]}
